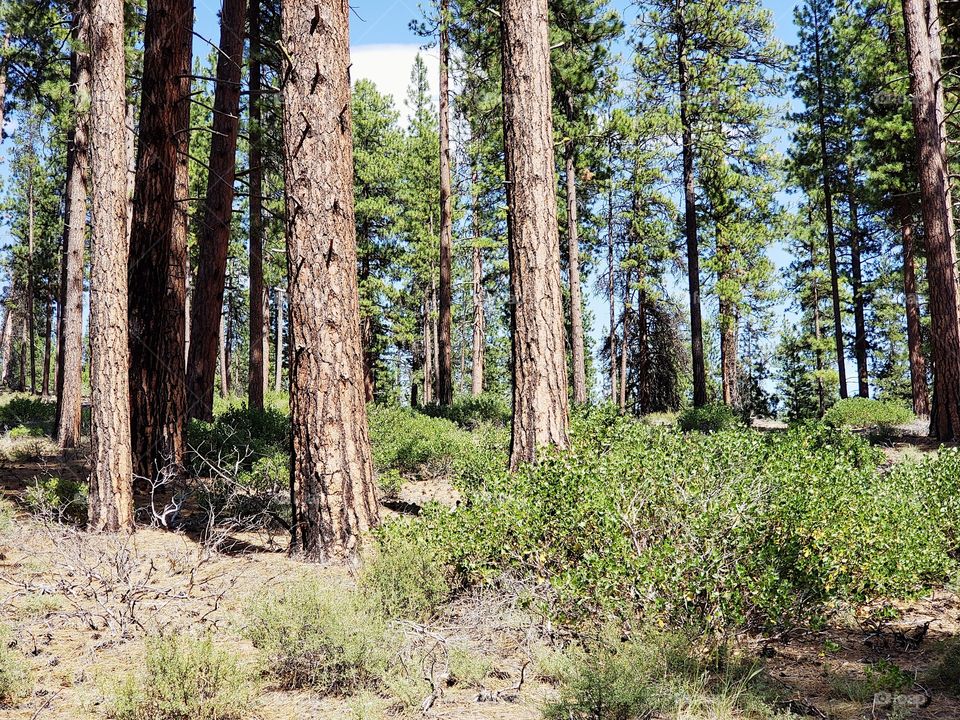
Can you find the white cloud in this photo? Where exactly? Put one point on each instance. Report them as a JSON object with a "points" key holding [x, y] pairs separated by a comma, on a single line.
{"points": [[389, 67]]}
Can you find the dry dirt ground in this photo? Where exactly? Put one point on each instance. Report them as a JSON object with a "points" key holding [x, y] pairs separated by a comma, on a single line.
{"points": [[80, 606]]}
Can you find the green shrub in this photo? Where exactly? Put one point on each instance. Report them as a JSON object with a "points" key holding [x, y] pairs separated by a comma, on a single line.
{"points": [[59, 498], [15, 676], [315, 634], [708, 419], [184, 679], [22, 431], [404, 579], [30, 412], [727, 529], [657, 675], [419, 446], [470, 412], [468, 668], [864, 413], [239, 436], [390, 483]]}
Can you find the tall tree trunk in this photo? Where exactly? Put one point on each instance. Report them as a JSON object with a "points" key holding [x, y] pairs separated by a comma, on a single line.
{"points": [[218, 213], [278, 365], [428, 353], [3, 83], [690, 215], [158, 244], [332, 486], [728, 354], [941, 252], [416, 367], [6, 341], [643, 384], [435, 339], [31, 287], [860, 346], [540, 403], [259, 352], [445, 320], [817, 332], [111, 476], [918, 366], [70, 332], [828, 210], [47, 348], [624, 344], [224, 357], [23, 355], [479, 320], [611, 299], [573, 268]]}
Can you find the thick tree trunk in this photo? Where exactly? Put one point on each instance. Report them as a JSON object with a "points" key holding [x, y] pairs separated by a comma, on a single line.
{"points": [[860, 345], [573, 268], [540, 403], [332, 486], [158, 244], [218, 213], [728, 354], [259, 352], [428, 353], [445, 319], [918, 365], [828, 210], [70, 333], [941, 252], [817, 332], [111, 486], [693, 243]]}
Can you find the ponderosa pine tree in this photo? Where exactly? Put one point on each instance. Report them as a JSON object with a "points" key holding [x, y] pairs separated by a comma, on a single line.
{"points": [[111, 475], [259, 350], [158, 262], [332, 485], [923, 60], [69, 388], [540, 404], [214, 240]]}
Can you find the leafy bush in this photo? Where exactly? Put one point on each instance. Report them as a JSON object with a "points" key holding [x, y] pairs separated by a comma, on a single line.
{"points": [[655, 675], [59, 498], [864, 413], [732, 528], [315, 634], [470, 412], [15, 682], [240, 437], [184, 679], [22, 431], [404, 579], [30, 412], [708, 419], [417, 445]]}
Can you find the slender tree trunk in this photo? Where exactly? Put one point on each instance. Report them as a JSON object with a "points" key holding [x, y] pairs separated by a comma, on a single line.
{"points": [[444, 344], [918, 366], [573, 268], [817, 333], [111, 486], [47, 349], [278, 365], [3, 83], [828, 210], [941, 252], [428, 354], [860, 346], [6, 342], [222, 357], [540, 403], [31, 288], [416, 366], [625, 344], [218, 213], [23, 354], [728, 354], [435, 339], [332, 486], [70, 333], [643, 383], [611, 299], [479, 320], [256, 372], [690, 214], [158, 244]]}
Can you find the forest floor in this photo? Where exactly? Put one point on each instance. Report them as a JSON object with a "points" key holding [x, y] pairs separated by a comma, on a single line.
{"points": [[80, 606]]}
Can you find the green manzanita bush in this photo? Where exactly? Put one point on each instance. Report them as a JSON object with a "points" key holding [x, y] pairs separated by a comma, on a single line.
{"points": [[469, 411], [708, 418], [30, 412], [865, 413], [731, 528]]}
